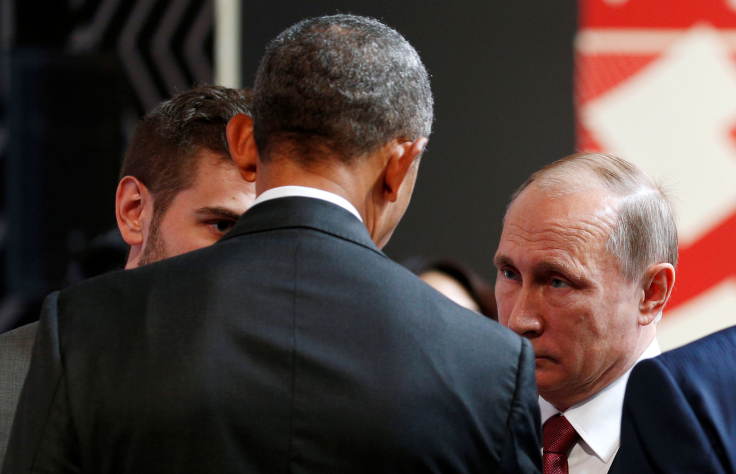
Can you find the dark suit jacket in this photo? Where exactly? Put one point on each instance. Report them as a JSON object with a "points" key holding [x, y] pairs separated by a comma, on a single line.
{"points": [[292, 345], [15, 356], [615, 465], [680, 410]]}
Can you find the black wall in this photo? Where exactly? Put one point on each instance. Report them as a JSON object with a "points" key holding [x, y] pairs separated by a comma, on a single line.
{"points": [[74, 78], [502, 81], [63, 162]]}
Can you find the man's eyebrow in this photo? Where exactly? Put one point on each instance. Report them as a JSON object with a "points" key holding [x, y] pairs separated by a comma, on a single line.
{"points": [[551, 267], [502, 260], [558, 267], [217, 212]]}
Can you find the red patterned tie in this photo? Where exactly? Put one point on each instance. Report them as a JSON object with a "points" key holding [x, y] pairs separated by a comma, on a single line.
{"points": [[559, 436]]}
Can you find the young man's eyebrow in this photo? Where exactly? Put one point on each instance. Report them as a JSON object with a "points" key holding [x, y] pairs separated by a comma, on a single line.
{"points": [[217, 212]]}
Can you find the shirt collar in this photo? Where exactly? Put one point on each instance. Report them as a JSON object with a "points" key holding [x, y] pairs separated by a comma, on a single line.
{"points": [[303, 191], [598, 418]]}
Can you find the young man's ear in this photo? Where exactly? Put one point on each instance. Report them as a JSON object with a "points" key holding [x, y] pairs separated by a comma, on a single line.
{"points": [[658, 282], [401, 159], [133, 210], [242, 145]]}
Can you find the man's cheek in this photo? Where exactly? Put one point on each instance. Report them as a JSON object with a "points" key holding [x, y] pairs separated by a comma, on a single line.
{"points": [[204, 238], [549, 375], [190, 240], [505, 301], [504, 313]]}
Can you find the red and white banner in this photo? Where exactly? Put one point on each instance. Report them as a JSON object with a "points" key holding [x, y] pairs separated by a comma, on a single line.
{"points": [[656, 84]]}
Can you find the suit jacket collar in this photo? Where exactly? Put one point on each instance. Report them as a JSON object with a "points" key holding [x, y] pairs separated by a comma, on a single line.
{"points": [[304, 212]]}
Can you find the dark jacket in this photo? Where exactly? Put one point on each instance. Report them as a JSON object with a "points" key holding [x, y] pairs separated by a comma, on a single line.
{"points": [[680, 410], [292, 345], [15, 356]]}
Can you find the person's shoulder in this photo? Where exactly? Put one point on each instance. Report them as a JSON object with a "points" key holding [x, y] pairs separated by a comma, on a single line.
{"points": [[702, 353], [405, 283], [130, 280], [107, 296], [470, 330], [723, 340], [706, 362], [18, 341], [21, 334]]}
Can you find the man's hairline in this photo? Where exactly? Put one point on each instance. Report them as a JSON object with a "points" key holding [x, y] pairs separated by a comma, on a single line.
{"points": [[608, 195], [218, 156], [599, 185]]}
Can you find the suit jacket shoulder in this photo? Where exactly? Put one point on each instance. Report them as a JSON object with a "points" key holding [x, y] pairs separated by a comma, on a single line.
{"points": [[680, 411], [15, 357]]}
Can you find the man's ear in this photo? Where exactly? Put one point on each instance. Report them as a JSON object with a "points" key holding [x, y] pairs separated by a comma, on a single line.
{"points": [[400, 161], [658, 282], [133, 208], [242, 145]]}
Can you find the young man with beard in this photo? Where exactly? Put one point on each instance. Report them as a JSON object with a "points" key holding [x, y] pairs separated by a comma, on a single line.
{"points": [[179, 191]]}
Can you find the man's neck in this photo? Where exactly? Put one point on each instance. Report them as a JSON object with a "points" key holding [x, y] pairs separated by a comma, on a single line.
{"points": [[342, 180]]}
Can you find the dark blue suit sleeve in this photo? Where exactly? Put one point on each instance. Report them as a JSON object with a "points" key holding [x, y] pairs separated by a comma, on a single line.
{"points": [[43, 439], [522, 445], [660, 432]]}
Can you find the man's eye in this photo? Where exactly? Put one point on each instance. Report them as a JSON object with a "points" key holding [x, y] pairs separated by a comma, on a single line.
{"points": [[508, 274], [223, 226], [557, 283]]}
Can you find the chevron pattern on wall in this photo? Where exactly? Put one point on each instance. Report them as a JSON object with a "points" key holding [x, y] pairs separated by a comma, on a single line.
{"points": [[163, 46]]}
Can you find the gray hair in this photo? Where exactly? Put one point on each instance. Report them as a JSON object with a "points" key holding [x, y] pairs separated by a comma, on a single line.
{"points": [[644, 232], [344, 84]]}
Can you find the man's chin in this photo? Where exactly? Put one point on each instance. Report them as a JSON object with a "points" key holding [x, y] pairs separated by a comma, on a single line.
{"points": [[549, 376]]}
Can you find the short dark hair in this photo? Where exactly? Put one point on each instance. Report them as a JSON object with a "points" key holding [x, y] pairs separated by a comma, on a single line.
{"points": [[162, 154], [342, 83]]}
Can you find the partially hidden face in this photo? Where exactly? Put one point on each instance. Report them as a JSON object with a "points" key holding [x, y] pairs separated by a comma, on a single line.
{"points": [[559, 286], [201, 214], [451, 288]]}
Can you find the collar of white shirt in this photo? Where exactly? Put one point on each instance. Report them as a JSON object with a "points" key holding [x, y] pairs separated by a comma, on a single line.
{"points": [[303, 191], [598, 418]]}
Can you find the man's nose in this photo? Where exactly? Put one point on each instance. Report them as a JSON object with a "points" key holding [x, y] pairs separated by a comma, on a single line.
{"points": [[525, 319]]}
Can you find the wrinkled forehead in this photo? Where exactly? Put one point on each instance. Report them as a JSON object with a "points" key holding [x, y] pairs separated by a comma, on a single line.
{"points": [[574, 224]]}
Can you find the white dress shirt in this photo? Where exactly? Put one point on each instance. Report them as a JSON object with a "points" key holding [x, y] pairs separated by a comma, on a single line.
{"points": [[303, 191], [598, 422]]}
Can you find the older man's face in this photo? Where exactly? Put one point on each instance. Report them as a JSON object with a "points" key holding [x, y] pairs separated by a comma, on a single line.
{"points": [[559, 287]]}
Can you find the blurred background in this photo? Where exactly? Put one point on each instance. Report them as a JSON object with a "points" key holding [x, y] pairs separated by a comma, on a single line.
{"points": [[517, 85]]}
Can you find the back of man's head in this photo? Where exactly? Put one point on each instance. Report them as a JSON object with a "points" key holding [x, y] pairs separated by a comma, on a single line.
{"points": [[645, 230], [341, 85], [164, 150]]}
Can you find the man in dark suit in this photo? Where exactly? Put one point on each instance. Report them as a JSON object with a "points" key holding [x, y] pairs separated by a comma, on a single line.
{"points": [[680, 410], [293, 344], [170, 199]]}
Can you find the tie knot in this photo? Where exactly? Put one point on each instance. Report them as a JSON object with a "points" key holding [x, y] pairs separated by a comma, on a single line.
{"points": [[559, 435]]}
